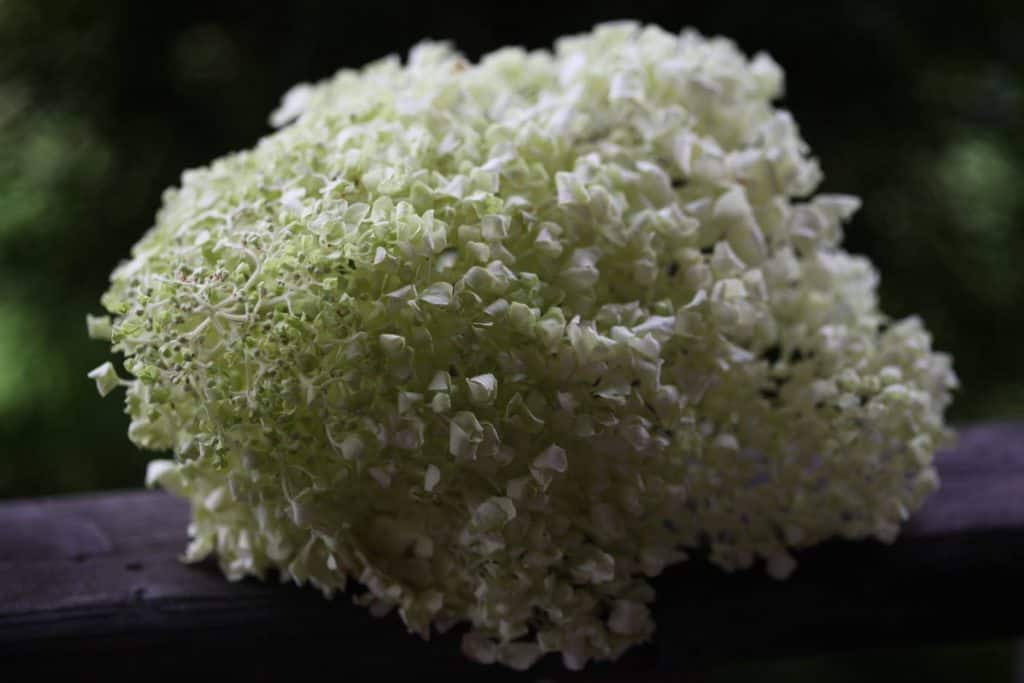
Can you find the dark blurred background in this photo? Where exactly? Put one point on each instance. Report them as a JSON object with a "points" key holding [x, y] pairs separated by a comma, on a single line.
{"points": [[103, 104]]}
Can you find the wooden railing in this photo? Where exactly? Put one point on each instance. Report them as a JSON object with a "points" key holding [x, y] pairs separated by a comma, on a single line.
{"points": [[93, 585]]}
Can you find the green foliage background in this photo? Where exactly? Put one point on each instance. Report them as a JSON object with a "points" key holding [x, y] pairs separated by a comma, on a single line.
{"points": [[103, 104]]}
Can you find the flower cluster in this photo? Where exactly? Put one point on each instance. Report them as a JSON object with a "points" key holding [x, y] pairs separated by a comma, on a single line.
{"points": [[502, 341]]}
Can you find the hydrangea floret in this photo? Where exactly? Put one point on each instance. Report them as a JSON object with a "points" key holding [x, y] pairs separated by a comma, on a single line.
{"points": [[502, 341]]}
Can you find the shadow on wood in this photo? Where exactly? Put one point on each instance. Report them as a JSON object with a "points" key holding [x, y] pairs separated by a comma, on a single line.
{"points": [[93, 584]]}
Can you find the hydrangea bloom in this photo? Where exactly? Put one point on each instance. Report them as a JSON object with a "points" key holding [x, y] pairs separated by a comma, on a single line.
{"points": [[502, 341]]}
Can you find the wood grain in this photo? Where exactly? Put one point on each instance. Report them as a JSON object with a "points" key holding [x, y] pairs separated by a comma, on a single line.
{"points": [[93, 585]]}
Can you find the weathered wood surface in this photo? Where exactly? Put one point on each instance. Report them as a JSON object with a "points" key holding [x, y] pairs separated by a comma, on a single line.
{"points": [[93, 584]]}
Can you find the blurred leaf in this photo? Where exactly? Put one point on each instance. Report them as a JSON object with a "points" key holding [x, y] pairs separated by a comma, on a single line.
{"points": [[30, 373]]}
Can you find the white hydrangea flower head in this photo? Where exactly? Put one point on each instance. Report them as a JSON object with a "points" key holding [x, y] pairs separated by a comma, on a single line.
{"points": [[502, 341]]}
